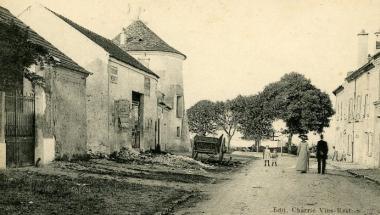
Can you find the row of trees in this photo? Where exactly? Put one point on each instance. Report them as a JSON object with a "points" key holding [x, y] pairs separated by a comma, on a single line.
{"points": [[293, 99]]}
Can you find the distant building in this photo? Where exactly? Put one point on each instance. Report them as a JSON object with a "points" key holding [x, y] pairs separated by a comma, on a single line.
{"points": [[357, 105], [45, 121], [121, 93], [143, 44]]}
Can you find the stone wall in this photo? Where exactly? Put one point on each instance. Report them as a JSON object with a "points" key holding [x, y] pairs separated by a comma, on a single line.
{"points": [[97, 107], [125, 81], [169, 67], [68, 98], [60, 108]]}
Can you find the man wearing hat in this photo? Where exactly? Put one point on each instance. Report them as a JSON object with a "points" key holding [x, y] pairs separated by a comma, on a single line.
{"points": [[322, 150]]}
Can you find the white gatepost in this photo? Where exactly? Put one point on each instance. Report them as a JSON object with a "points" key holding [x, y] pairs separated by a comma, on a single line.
{"points": [[3, 146], [45, 144]]}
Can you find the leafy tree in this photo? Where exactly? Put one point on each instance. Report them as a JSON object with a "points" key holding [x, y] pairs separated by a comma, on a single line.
{"points": [[300, 104], [17, 54], [227, 118], [255, 121], [202, 118]]}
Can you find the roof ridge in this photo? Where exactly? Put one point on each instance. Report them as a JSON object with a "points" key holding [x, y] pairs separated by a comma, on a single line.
{"points": [[107, 44], [63, 17]]}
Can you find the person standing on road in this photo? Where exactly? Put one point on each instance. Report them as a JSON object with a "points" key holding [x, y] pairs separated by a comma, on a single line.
{"points": [[274, 157], [335, 154], [266, 156], [303, 155], [322, 151]]}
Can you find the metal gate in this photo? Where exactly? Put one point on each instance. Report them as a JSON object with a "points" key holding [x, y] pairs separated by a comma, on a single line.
{"points": [[19, 130]]}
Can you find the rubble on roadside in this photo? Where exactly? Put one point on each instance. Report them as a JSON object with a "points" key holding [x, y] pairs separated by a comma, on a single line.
{"points": [[126, 155]]}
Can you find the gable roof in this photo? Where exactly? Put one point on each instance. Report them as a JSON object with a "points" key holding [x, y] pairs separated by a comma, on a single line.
{"points": [[140, 38], [64, 61], [107, 45]]}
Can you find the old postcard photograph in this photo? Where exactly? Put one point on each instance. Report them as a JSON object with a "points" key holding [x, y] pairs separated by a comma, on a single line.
{"points": [[189, 107]]}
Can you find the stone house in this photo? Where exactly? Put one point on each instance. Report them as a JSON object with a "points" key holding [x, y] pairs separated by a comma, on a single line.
{"points": [[42, 122], [147, 47], [121, 92], [357, 104]]}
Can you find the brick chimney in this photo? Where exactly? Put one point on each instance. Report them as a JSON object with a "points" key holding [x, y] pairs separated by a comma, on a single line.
{"points": [[377, 48], [362, 48], [123, 38]]}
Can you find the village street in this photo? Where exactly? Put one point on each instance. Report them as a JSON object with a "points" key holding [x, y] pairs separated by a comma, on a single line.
{"points": [[281, 190]]}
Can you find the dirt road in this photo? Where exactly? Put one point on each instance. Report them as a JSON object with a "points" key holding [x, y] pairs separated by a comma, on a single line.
{"points": [[281, 190]]}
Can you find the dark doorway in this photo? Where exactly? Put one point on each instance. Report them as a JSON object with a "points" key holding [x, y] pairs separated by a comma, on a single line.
{"points": [[19, 130], [137, 110], [157, 135]]}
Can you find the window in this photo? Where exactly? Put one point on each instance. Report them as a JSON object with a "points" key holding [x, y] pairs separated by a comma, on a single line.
{"points": [[358, 107], [350, 109], [341, 110], [179, 106], [178, 131], [368, 107], [113, 74], [365, 111]]}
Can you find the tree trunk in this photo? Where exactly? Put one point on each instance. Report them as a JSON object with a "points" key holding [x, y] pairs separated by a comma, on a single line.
{"points": [[257, 144], [290, 137], [229, 143]]}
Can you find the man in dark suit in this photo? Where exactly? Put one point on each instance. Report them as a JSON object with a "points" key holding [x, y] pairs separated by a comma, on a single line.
{"points": [[322, 150]]}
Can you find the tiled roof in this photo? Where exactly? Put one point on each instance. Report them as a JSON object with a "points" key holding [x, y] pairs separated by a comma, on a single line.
{"points": [[140, 38], [107, 45], [64, 61]]}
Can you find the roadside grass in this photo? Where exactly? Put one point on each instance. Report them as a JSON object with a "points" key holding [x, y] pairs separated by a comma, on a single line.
{"points": [[33, 193], [106, 187]]}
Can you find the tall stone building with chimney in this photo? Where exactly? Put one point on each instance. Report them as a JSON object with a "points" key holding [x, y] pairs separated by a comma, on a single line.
{"points": [[357, 102], [148, 48]]}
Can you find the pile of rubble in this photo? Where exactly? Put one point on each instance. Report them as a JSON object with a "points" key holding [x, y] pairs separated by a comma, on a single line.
{"points": [[180, 161], [126, 155]]}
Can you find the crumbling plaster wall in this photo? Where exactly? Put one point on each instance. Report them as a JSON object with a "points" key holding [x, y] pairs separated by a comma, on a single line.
{"points": [[169, 67], [130, 79], [60, 114]]}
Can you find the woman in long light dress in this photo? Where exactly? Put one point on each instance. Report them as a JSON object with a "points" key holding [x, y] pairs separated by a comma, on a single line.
{"points": [[303, 155]]}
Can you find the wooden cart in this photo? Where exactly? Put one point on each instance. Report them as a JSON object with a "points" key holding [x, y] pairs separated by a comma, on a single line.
{"points": [[209, 145]]}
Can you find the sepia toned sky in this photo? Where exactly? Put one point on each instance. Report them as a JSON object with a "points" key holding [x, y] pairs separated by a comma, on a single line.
{"points": [[237, 47]]}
